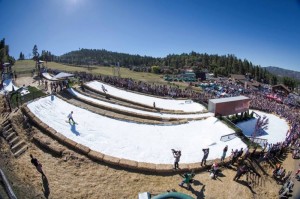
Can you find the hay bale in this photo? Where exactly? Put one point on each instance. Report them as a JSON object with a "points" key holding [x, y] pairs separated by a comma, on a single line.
{"points": [[70, 143], [94, 155], [51, 132], [43, 126], [111, 160], [82, 149], [163, 168], [146, 166], [37, 121], [59, 137], [128, 164], [31, 116], [183, 121], [25, 109]]}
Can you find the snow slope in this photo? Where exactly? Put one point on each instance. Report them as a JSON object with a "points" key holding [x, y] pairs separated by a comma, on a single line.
{"points": [[170, 104], [139, 142], [8, 86], [276, 131], [124, 108]]}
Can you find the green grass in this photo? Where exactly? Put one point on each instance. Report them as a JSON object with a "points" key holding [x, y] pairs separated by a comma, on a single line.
{"points": [[28, 65], [23, 66], [34, 93]]}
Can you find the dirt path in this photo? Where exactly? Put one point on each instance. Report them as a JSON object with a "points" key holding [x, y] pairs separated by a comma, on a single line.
{"points": [[27, 81]]}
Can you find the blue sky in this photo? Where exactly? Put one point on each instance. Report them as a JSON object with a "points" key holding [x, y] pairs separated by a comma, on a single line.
{"points": [[266, 32]]}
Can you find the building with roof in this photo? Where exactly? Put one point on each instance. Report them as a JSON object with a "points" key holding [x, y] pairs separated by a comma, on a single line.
{"points": [[280, 88], [237, 77], [229, 105]]}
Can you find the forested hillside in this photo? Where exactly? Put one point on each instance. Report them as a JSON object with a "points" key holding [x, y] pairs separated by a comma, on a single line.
{"points": [[219, 65], [106, 58]]}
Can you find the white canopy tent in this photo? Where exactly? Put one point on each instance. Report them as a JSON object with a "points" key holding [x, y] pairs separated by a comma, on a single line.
{"points": [[63, 75], [59, 76], [48, 77]]}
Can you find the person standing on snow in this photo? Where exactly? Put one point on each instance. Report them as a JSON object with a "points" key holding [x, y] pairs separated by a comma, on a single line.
{"points": [[206, 152], [224, 153], [70, 116], [177, 155]]}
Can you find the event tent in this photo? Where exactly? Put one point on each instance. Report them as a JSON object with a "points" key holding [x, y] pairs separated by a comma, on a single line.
{"points": [[59, 76], [63, 75]]}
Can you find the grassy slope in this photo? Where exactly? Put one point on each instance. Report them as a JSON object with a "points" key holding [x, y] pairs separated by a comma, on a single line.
{"points": [[28, 65]]}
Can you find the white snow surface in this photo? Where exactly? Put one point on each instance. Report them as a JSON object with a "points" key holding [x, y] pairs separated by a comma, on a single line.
{"points": [[133, 141], [8, 86], [169, 104], [128, 109], [276, 131]]}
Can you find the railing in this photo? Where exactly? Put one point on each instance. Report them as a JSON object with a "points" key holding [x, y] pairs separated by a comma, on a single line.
{"points": [[8, 188], [259, 141], [228, 137]]}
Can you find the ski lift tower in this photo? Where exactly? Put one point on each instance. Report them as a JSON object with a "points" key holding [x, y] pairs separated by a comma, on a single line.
{"points": [[116, 69], [6, 71]]}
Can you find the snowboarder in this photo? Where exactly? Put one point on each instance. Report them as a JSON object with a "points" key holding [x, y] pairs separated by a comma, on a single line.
{"points": [[70, 116], [104, 89], [37, 165]]}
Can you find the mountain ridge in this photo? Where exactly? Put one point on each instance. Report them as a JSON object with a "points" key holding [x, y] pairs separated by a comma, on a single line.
{"points": [[281, 72]]}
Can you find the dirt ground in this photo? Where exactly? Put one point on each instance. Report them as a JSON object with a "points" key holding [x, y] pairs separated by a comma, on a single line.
{"points": [[28, 81], [76, 176]]}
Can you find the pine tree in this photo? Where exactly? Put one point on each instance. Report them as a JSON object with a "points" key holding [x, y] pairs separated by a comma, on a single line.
{"points": [[35, 52], [21, 56]]}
